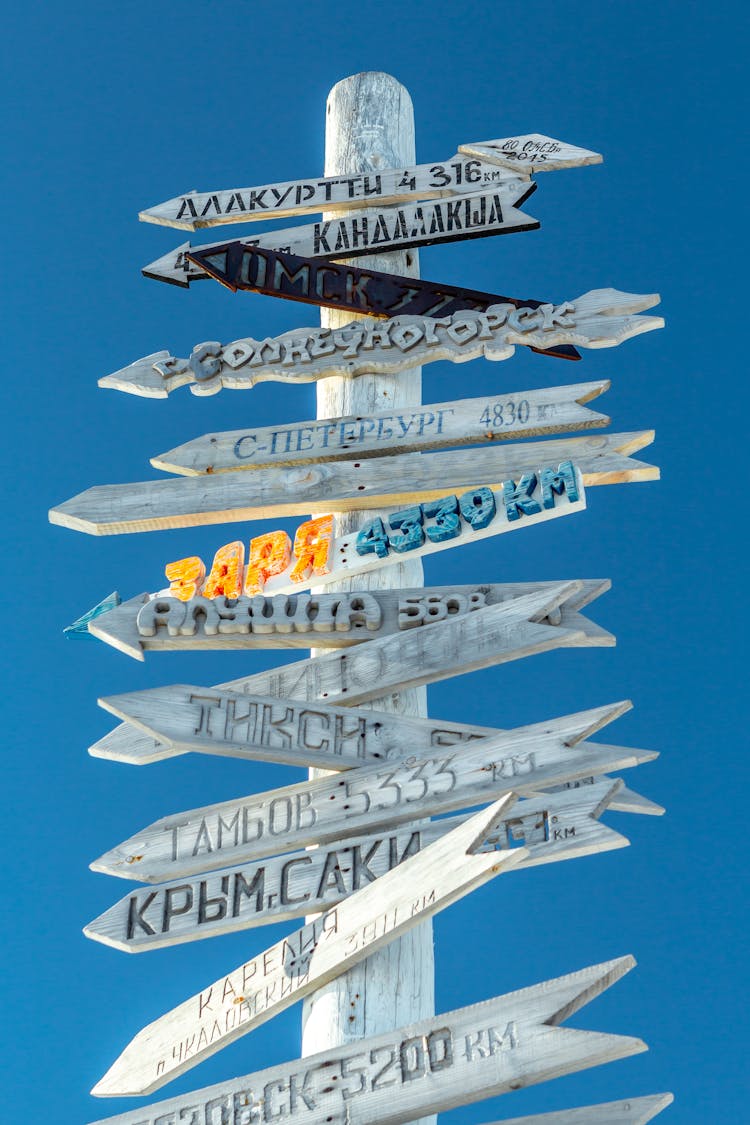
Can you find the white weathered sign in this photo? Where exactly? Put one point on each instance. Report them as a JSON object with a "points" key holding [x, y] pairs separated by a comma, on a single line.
{"points": [[447, 1060], [318, 557], [329, 809], [538, 622], [161, 623], [376, 231], [532, 152], [266, 728], [458, 176], [630, 1111], [319, 951], [601, 318], [552, 828], [436, 425]]}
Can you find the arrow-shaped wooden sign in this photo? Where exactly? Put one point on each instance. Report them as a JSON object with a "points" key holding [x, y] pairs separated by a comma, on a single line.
{"points": [[630, 1111], [333, 620], [452, 647], [455, 177], [321, 950], [515, 482], [601, 318], [436, 425], [552, 828], [459, 1057], [266, 728], [532, 152], [329, 809], [376, 231]]}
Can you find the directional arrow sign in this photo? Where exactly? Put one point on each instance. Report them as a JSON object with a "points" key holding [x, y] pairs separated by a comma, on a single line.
{"points": [[520, 478], [456, 177], [374, 231], [631, 1111], [601, 318], [266, 728], [339, 285], [452, 647], [371, 797], [532, 152], [459, 1057], [435, 425], [310, 957], [339, 620], [552, 828]]}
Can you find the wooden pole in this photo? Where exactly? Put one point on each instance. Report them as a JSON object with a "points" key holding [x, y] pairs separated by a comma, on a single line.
{"points": [[369, 127]]}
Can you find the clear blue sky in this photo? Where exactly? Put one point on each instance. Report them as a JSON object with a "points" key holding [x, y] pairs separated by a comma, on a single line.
{"points": [[109, 109]]}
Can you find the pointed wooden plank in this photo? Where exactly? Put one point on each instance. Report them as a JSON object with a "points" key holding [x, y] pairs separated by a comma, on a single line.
{"points": [[150, 622], [601, 318], [434, 426], [381, 482], [631, 1111], [449, 648], [329, 809], [376, 230], [460, 1057], [543, 492], [625, 800], [532, 152], [552, 828], [270, 729], [454, 177], [319, 951]]}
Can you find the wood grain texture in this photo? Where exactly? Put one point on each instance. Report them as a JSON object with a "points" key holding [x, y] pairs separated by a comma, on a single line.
{"points": [[552, 828], [382, 482], [292, 968], [630, 1111], [460, 1057], [377, 230], [436, 425], [601, 318], [532, 152], [371, 797], [456, 176], [336, 619], [491, 635]]}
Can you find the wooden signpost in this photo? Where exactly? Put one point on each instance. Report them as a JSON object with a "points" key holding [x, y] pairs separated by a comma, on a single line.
{"points": [[452, 647], [376, 231], [375, 869], [506, 485], [331, 620], [552, 828], [369, 797], [601, 318], [532, 152], [455, 1058], [454, 177], [437, 425]]}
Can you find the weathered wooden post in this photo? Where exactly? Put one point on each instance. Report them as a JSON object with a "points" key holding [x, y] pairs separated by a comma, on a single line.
{"points": [[370, 126]]}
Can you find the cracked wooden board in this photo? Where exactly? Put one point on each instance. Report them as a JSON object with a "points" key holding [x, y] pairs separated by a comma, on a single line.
{"points": [[436, 425], [329, 809], [552, 828], [460, 1057]]}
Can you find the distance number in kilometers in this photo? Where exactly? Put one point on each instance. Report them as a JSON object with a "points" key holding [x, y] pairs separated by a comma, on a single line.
{"points": [[506, 414]]}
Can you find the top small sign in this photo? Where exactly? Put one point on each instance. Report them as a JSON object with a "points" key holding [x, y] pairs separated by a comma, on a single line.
{"points": [[533, 152]]}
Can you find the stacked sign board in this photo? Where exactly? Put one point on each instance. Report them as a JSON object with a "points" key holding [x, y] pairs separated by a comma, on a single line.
{"points": [[377, 866]]}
